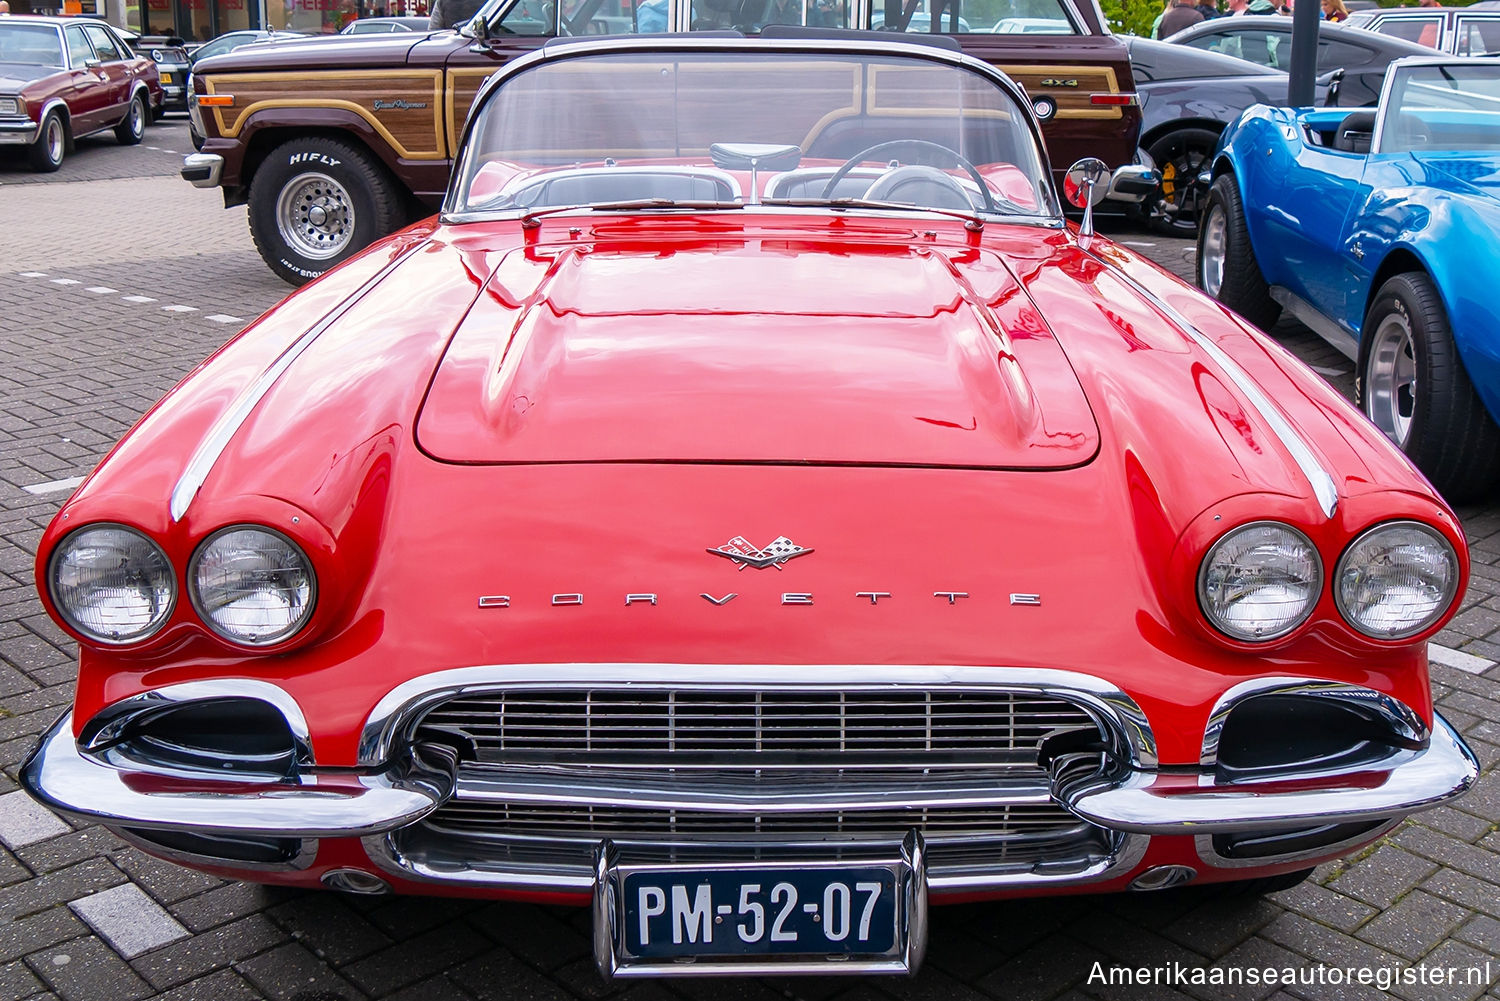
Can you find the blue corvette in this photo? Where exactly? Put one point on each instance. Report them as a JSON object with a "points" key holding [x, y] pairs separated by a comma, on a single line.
{"points": [[1380, 230]]}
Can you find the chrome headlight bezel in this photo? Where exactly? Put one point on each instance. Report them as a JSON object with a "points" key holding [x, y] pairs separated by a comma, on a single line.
{"points": [[195, 596], [1449, 592], [12, 105], [68, 545], [1228, 629]]}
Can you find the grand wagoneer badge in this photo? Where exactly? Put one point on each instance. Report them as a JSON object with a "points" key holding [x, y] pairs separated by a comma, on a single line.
{"points": [[745, 555]]}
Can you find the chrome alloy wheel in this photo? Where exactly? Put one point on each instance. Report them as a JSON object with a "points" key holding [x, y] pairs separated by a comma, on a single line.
{"points": [[54, 139], [137, 117], [315, 216], [1212, 250], [1391, 379]]}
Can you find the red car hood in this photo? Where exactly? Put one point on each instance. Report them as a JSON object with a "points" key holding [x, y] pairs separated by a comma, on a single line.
{"points": [[749, 353]]}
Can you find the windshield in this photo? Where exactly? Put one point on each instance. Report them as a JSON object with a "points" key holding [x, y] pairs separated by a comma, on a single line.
{"points": [[33, 44], [737, 128], [1439, 107]]}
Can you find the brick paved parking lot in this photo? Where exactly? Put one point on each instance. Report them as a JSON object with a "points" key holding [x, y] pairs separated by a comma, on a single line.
{"points": [[116, 278]]}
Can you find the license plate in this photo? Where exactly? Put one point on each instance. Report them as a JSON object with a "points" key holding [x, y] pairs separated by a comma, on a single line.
{"points": [[166, 78], [818, 916]]}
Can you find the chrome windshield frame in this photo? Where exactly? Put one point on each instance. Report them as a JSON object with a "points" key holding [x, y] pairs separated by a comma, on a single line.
{"points": [[573, 48]]}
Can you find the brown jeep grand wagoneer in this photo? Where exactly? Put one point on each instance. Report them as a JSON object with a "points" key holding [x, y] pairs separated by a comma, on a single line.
{"points": [[336, 142]]}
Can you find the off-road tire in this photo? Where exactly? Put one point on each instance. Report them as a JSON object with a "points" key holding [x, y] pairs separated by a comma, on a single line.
{"points": [[350, 180], [1243, 288], [132, 128], [1451, 438], [1183, 154], [46, 154]]}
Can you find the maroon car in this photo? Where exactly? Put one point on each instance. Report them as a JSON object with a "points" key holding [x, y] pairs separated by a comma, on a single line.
{"points": [[65, 78]]}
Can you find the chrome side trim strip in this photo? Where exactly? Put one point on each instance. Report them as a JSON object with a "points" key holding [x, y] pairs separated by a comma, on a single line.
{"points": [[1402, 719], [230, 421], [106, 724], [310, 806], [1324, 488], [399, 710], [1191, 802], [1329, 330]]}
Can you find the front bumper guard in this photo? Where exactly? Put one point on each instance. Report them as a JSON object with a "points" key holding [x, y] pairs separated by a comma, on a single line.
{"points": [[323, 803], [357, 803], [1192, 802]]}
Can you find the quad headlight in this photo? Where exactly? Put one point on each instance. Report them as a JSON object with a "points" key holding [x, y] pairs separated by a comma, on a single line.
{"points": [[112, 584], [1396, 579], [252, 585], [1260, 581]]}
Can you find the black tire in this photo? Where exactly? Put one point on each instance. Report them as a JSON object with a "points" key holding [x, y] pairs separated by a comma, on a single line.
{"points": [[1180, 157], [132, 128], [334, 200], [1412, 384], [1237, 282], [46, 154]]}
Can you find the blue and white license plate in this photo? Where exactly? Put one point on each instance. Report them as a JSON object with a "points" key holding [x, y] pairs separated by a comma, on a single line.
{"points": [[670, 914], [819, 916]]}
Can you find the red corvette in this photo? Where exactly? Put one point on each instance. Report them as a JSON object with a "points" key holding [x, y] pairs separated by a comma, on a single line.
{"points": [[751, 509], [62, 78]]}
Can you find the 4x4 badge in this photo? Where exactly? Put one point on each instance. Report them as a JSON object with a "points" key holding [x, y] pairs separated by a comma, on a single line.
{"points": [[745, 555]]}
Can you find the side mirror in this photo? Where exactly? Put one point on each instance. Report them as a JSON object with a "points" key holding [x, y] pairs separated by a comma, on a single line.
{"points": [[1084, 185], [92, 64]]}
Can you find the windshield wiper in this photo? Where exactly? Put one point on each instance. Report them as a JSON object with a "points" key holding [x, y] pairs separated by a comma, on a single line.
{"points": [[972, 220], [531, 219]]}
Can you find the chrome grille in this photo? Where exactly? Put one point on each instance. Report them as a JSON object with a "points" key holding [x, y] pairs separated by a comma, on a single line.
{"points": [[591, 823], [755, 729]]}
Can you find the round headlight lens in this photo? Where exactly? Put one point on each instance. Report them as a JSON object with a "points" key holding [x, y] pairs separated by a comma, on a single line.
{"points": [[252, 585], [112, 584], [1396, 580], [1260, 581]]}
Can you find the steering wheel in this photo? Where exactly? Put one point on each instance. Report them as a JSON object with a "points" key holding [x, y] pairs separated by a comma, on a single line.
{"points": [[922, 145]]}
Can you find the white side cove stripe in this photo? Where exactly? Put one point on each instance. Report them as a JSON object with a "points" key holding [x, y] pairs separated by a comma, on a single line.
{"points": [[1323, 486], [213, 445]]}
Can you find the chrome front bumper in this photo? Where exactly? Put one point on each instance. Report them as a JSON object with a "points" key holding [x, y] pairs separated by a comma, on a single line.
{"points": [[202, 170], [19, 131], [1128, 799], [320, 803]]}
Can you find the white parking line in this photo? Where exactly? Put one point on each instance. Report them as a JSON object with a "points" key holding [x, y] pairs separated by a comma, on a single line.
{"points": [[1449, 657], [223, 318], [33, 274], [102, 290], [137, 298], [180, 309], [54, 486], [66, 281]]}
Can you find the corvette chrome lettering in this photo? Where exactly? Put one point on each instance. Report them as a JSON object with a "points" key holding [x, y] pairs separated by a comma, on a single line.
{"points": [[785, 598]]}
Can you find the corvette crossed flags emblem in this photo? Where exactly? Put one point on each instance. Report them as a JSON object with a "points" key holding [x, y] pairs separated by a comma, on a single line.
{"points": [[745, 555]]}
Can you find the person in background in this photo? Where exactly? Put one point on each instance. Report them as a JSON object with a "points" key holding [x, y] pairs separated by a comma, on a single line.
{"points": [[1335, 11], [1181, 15], [1208, 8], [4, 7], [651, 16], [452, 13]]}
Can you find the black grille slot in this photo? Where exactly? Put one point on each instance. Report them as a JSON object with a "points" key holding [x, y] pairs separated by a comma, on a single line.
{"points": [[756, 730]]}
